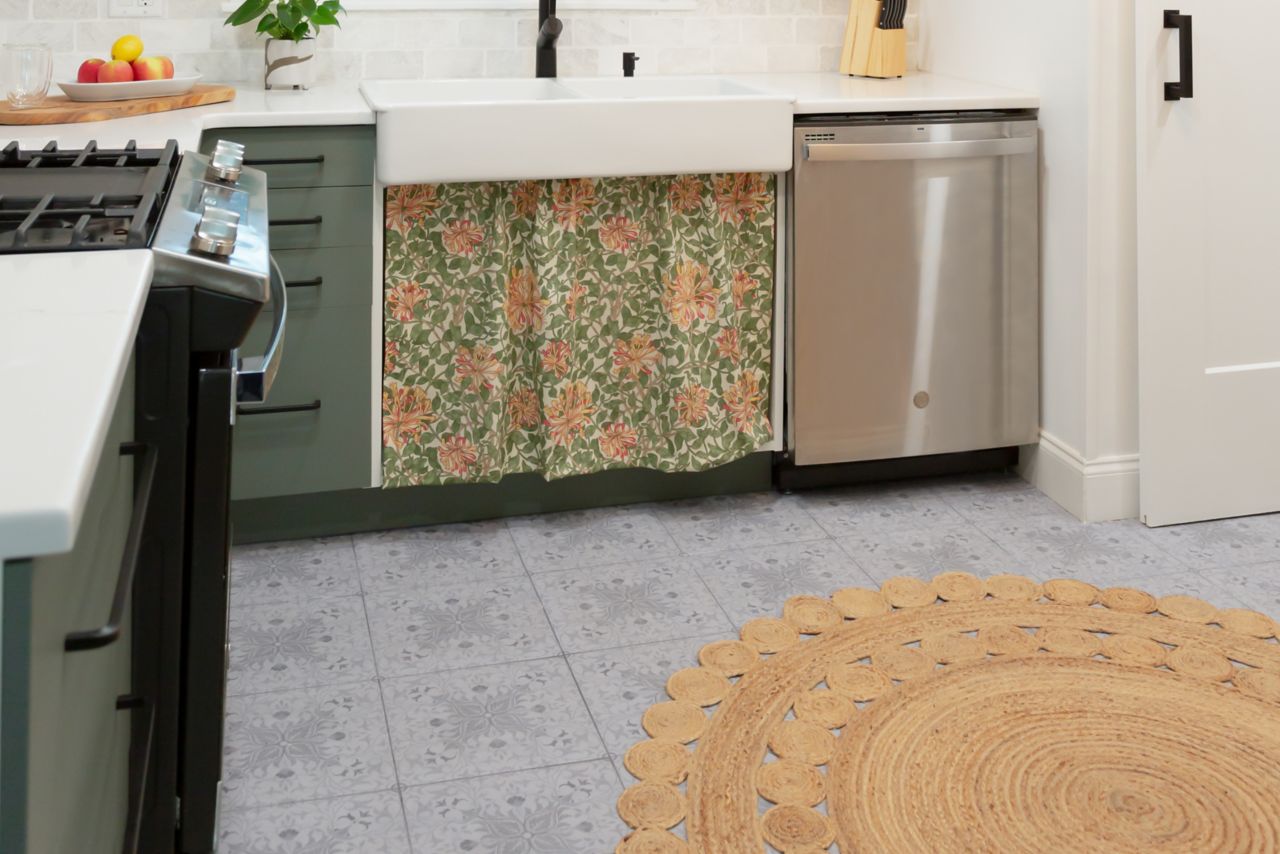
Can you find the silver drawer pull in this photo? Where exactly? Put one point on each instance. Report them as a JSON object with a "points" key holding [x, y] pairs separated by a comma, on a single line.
{"points": [[837, 151]]}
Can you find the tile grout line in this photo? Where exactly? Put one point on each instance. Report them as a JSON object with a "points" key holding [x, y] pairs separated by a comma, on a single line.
{"points": [[382, 699], [321, 799], [567, 666]]}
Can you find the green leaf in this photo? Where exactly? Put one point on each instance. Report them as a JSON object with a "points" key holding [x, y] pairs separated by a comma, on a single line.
{"points": [[248, 10], [268, 21], [288, 14], [323, 17], [308, 7], [300, 31]]}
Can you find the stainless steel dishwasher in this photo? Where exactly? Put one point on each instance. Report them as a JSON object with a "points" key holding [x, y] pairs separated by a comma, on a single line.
{"points": [[914, 298]]}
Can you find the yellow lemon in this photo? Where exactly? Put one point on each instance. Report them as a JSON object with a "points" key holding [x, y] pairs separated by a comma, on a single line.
{"points": [[127, 48]]}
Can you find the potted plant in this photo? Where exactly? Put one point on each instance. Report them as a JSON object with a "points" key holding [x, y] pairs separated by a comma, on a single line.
{"points": [[291, 27]]}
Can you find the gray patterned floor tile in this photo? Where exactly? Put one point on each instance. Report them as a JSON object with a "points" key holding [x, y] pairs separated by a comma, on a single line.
{"points": [[1225, 542], [590, 538], [359, 824], [447, 626], [618, 604], [1181, 583], [475, 551], [488, 720], [567, 809], [1050, 547], [725, 522], [620, 684], [305, 744], [299, 570], [1000, 498], [756, 582], [1255, 586], [867, 509], [928, 550], [296, 645]]}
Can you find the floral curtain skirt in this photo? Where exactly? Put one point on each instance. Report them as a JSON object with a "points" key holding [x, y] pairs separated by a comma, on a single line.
{"points": [[567, 327]]}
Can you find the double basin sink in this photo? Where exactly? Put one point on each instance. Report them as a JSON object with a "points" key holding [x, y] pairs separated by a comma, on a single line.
{"points": [[435, 131]]}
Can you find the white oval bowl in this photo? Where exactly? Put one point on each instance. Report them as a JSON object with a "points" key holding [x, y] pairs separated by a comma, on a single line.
{"points": [[177, 85]]}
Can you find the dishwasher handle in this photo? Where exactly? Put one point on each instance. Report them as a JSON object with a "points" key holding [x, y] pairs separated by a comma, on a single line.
{"points": [[838, 151]]}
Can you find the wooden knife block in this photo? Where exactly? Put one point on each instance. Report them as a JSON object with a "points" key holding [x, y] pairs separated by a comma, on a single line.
{"points": [[868, 50]]}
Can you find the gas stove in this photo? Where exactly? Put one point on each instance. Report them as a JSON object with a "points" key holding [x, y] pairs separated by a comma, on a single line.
{"points": [[60, 200], [204, 219]]}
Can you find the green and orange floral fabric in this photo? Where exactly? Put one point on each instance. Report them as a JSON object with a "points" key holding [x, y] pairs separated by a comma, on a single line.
{"points": [[567, 327]]}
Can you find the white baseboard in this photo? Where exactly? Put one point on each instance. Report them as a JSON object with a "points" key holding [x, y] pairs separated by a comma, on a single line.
{"points": [[1091, 490]]}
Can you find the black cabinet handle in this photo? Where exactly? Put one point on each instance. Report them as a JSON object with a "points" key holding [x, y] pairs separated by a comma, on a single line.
{"points": [[1185, 87], [307, 220], [306, 283], [138, 779], [110, 631], [276, 410], [284, 161]]}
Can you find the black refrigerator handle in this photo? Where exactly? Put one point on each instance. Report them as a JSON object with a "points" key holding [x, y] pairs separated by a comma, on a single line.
{"points": [[1185, 86]]}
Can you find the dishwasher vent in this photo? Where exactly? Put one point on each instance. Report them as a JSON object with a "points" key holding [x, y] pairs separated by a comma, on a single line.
{"points": [[819, 137]]}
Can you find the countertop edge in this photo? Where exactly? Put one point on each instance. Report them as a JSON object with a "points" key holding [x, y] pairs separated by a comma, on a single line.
{"points": [[51, 526]]}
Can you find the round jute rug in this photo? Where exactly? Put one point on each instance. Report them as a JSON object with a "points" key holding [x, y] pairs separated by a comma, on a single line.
{"points": [[963, 714]]}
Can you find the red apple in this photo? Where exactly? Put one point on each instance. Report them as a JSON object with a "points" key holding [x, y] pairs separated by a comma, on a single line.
{"points": [[88, 72], [115, 71], [152, 68]]}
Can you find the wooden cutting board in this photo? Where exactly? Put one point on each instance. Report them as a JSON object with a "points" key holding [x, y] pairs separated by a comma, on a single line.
{"points": [[59, 109]]}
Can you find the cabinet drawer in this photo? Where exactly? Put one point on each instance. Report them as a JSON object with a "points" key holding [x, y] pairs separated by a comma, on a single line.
{"points": [[78, 743], [311, 218], [336, 156], [327, 359], [319, 278]]}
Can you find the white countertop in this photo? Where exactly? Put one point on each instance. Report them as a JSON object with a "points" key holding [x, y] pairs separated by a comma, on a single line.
{"points": [[253, 107], [67, 324], [342, 104], [830, 92]]}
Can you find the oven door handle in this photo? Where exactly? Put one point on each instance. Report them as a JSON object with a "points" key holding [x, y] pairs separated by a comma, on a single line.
{"points": [[255, 374], [109, 632], [836, 151]]}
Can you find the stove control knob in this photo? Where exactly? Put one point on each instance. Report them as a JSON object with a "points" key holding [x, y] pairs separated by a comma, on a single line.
{"points": [[226, 161], [216, 232]]}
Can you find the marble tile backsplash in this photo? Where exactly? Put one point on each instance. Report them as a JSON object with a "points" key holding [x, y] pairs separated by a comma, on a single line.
{"points": [[718, 36]]}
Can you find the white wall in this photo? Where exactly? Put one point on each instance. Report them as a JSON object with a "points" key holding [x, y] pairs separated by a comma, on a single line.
{"points": [[1078, 55], [716, 36]]}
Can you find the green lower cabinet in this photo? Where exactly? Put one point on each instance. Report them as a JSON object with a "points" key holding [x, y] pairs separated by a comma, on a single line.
{"points": [[64, 746], [325, 366], [330, 156], [316, 217], [324, 278], [315, 431]]}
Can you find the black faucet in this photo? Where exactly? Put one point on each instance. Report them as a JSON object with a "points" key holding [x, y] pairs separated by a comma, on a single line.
{"points": [[629, 64], [549, 28]]}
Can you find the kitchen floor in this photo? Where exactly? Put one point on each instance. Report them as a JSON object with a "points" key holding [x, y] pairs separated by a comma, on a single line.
{"points": [[471, 688]]}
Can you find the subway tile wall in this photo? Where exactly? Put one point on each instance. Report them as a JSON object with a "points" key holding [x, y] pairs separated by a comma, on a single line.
{"points": [[719, 36]]}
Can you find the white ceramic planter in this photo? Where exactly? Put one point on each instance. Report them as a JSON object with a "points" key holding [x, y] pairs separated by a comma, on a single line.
{"points": [[290, 64]]}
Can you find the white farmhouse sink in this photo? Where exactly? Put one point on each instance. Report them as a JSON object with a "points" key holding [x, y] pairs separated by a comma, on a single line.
{"points": [[432, 131]]}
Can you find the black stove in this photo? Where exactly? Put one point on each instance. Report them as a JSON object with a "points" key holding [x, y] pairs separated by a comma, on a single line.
{"points": [[60, 200]]}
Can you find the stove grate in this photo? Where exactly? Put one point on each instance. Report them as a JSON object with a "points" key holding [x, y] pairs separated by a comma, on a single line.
{"points": [[57, 200]]}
